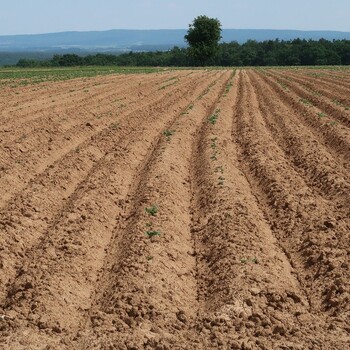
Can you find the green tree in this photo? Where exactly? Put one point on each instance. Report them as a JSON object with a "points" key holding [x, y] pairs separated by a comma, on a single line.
{"points": [[28, 63], [203, 38]]}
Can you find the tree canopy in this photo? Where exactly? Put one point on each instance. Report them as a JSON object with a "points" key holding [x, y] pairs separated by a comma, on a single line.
{"points": [[252, 53], [203, 38]]}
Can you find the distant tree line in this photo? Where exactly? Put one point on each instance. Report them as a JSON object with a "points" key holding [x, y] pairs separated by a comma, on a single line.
{"points": [[252, 53]]}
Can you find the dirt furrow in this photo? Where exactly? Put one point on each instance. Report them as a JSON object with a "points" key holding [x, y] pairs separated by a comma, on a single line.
{"points": [[335, 138], [45, 95], [341, 80], [335, 105], [178, 210], [42, 91], [50, 87], [239, 262], [73, 250], [339, 76], [321, 170], [330, 88], [36, 108], [148, 285], [71, 113], [28, 215], [25, 160], [308, 230]]}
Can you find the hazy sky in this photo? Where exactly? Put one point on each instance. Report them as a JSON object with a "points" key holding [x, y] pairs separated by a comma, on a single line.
{"points": [[44, 16]]}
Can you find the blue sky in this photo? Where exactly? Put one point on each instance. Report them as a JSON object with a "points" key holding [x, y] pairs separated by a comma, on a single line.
{"points": [[45, 16]]}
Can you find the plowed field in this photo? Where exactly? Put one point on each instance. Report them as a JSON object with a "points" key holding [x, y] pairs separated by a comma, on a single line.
{"points": [[204, 209]]}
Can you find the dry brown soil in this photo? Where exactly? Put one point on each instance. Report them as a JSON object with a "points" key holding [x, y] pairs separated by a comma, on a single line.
{"points": [[247, 246]]}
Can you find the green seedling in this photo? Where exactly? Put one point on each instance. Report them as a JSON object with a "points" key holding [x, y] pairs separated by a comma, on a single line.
{"points": [[213, 119], [305, 102], [115, 126], [252, 260], [119, 99], [219, 169], [321, 115], [153, 210], [149, 257], [228, 88], [22, 137], [168, 134], [151, 234], [221, 180], [284, 86], [189, 107], [165, 86], [336, 102], [172, 78], [214, 156], [228, 216], [206, 91]]}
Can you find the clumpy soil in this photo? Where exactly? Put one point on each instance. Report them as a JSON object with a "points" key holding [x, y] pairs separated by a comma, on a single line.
{"points": [[204, 209]]}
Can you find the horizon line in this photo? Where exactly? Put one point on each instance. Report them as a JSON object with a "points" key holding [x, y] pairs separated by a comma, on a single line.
{"points": [[174, 29]]}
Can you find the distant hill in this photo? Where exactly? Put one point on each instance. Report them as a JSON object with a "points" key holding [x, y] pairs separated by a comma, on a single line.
{"points": [[44, 46], [145, 40]]}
